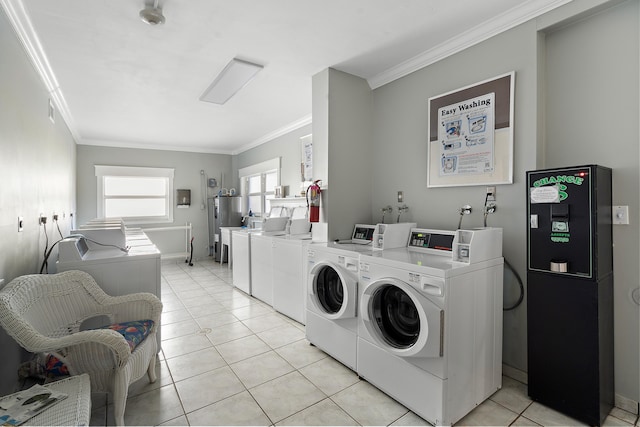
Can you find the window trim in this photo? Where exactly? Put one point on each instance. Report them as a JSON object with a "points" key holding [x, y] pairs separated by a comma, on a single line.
{"points": [[103, 171], [254, 170]]}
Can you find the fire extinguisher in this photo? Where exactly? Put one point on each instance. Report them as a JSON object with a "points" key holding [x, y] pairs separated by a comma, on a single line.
{"points": [[313, 201]]}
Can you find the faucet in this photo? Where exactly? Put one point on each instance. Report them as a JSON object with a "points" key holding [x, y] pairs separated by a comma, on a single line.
{"points": [[385, 210], [402, 209]]}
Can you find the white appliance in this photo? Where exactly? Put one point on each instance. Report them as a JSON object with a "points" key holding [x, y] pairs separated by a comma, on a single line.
{"points": [[226, 244], [332, 292], [261, 263], [240, 248], [241, 255], [289, 274], [430, 325], [116, 271], [255, 267]]}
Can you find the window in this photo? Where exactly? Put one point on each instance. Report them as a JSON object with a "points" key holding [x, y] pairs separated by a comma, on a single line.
{"points": [[258, 186], [136, 194]]}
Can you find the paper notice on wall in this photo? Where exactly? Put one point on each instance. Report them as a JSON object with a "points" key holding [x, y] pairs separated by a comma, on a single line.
{"points": [[466, 136], [307, 158]]}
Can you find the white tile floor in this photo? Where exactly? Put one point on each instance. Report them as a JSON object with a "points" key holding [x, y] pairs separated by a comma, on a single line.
{"points": [[228, 359]]}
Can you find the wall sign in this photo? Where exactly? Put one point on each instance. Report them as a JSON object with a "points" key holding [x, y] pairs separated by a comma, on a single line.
{"points": [[471, 135]]}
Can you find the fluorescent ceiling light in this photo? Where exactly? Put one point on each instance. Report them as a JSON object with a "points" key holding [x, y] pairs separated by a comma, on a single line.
{"points": [[234, 77]]}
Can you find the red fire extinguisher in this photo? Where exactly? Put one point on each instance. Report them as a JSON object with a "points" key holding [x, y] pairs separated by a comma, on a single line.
{"points": [[313, 201]]}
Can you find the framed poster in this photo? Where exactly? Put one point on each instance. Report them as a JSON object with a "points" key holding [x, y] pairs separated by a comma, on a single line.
{"points": [[471, 135], [306, 165]]}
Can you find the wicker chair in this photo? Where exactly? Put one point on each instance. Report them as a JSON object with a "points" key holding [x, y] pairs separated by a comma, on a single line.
{"points": [[44, 313]]}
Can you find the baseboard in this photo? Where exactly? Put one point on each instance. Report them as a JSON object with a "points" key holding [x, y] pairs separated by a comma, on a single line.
{"points": [[621, 402], [515, 373], [627, 404]]}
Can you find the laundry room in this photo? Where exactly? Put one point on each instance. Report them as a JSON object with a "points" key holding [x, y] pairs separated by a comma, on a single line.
{"points": [[384, 186]]}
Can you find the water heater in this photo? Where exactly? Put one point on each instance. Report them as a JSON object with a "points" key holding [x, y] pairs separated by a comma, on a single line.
{"points": [[570, 291]]}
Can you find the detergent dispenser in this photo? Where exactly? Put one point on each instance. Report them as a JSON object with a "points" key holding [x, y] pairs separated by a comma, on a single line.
{"points": [[570, 290], [390, 236]]}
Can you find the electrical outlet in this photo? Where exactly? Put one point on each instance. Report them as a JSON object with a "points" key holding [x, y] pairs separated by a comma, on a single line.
{"points": [[55, 216], [491, 194], [400, 196], [620, 215], [42, 220], [20, 224]]}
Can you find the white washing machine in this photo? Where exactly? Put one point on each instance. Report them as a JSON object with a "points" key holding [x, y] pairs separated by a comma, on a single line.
{"points": [[241, 251], [430, 325], [116, 271], [262, 266], [261, 258], [289, 275], [241, 254], [332, 294]]}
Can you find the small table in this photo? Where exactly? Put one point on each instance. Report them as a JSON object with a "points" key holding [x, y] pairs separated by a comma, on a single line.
{"points": [[74, 410]]}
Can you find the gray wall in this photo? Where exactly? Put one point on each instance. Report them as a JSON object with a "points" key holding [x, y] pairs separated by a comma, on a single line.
{"points": [[37, 159], [576, 88], [342, 115], [592, 107], [186, 176], [400, 155]]}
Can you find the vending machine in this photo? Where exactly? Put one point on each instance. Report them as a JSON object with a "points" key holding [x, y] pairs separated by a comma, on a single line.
{"points": [[570, 291]]}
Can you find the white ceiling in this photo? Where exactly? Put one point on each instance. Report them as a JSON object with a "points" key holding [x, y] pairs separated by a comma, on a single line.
{"points": [[120, 82]]}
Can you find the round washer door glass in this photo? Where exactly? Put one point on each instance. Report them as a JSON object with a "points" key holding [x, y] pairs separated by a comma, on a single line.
{"points": [[329, 289], [396, 316]]}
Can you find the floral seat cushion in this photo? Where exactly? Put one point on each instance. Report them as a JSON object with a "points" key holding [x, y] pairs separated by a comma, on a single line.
{"points": [[134, 333]]}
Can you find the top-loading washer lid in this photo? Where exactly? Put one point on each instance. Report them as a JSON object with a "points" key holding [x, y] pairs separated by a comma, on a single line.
{"points": [[274, 223], [299, 212], [278, 211]]}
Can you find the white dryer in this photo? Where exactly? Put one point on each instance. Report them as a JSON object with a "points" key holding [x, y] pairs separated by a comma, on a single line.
{"points": [[430, 325], [332, 293]]}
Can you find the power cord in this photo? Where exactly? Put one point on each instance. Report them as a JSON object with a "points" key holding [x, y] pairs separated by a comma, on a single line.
{"points": [[490, 207], [519, 279], [46, 246]]}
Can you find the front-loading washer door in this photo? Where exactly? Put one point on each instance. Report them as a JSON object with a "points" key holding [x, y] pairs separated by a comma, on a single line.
{"points": [[332, 291], [401, 320]]}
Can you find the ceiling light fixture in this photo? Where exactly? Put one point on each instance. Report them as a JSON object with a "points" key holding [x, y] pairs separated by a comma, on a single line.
{"points": [[152, 15], [236, 75]]}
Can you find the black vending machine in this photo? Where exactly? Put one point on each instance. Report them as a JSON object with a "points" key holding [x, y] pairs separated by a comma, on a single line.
{"points": [[570, 291]]}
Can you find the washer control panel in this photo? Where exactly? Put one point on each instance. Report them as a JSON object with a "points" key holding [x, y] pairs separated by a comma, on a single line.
{"points": [[431, 241]]}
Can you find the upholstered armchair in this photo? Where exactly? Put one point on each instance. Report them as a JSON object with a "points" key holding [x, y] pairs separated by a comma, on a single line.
{"points": [[46, 314]]}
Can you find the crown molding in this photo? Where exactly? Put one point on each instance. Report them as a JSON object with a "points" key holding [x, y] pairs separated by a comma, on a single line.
{"points": [[143, 146], [275, 134], [21, 23], [499, 24]]}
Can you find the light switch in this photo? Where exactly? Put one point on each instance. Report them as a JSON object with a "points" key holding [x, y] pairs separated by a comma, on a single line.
{"points": [[533, 221], [620, 215]]}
